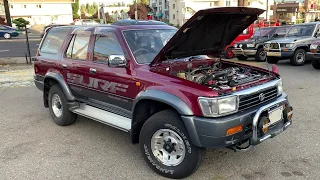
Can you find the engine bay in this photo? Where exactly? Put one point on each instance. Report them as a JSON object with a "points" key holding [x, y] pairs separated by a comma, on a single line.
{"points": [[218, 78]]}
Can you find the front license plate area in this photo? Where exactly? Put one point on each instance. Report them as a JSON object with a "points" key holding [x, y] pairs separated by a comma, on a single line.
{"points": [[275, 115], [277, 54]]}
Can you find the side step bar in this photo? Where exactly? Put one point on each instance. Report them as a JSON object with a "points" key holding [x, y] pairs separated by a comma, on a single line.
{"points": [[104, 117]]}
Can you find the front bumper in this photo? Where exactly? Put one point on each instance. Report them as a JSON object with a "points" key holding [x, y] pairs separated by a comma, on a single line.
{"points": [[245, 52], [38, 81], [280, 53], [313, 56], [211, 132]]}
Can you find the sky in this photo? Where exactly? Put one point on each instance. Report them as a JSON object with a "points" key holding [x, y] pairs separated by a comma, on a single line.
{"points": [[105, 1]]}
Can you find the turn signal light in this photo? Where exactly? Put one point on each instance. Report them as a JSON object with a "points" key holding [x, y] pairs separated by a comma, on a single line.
{"points": [[313, 50], [234, 130]]}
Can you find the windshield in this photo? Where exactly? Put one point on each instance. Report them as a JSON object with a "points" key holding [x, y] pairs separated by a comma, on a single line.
{"points": [[267, 32], [146, 44], [304, 30]]}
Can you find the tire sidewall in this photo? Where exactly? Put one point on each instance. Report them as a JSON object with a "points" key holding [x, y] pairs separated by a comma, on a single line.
{"points": [[294, 58], [8, 36], [258, 55], [56, 90], [189, 163]]}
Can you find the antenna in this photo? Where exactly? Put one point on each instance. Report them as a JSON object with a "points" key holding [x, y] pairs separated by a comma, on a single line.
{"points": [[263, 47]]}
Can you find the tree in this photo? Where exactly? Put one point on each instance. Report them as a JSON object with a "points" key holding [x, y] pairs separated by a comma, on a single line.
{"points": [[83, 8], [7, 12], [118, 5], [21, 23], [75, 9], [2, 21], [122, 4], [141, 1], [143, 11]]}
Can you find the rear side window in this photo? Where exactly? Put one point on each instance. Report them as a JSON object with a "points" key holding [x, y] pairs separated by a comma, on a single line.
{"points": [[105, 46], [54, 40], [282, 31], [78, 46]]}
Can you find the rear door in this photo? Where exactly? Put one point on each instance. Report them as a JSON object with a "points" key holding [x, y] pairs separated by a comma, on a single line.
{"points": [[2, 30]]}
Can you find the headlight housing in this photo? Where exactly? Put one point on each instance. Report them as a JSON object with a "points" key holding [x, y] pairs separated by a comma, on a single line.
{"points": [[289, 45], [314, 46], [240, 45], [214, 107], [235, 45], [280, 87], [251, 45], [266, 45]]}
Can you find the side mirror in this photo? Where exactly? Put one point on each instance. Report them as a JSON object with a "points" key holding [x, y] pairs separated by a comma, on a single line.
{"points": [[117, 61]]}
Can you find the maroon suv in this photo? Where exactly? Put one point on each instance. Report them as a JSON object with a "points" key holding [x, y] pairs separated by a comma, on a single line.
{"points": [[164, 86]]}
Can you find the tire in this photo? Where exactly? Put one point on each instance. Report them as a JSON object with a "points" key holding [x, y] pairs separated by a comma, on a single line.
{"points": [[261, 55], [299, 57], [315, 64], [170, 123], [229, 53], [272, 60], [7, 36], [58, 107], [243, 58]]}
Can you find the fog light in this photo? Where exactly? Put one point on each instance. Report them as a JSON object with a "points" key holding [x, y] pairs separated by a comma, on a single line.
{"points": [[234, 130], [264, 124]]}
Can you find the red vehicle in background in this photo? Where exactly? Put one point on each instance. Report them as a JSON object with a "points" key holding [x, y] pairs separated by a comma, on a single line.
{"points": [[246, 34]]}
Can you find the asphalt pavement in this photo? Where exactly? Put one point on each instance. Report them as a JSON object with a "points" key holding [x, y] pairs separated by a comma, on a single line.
{"points": [[33, 147], [17, 46]]}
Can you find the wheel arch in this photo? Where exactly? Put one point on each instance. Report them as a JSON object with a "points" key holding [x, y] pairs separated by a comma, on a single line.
{"points": [[150, 102], [52, 78]]}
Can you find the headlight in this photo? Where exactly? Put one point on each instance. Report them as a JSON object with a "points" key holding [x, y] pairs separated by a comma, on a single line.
{"points": [[240, 45], [266, 45], [289, 45], [314, 46], [251, 45], [280, 87], [213, 107], [235, 45]]}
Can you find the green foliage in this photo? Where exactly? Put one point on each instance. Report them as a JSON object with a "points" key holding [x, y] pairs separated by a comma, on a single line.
{"points": [[75, 7], [83, 8], [92, 9], [76, 16], [141, 1], [21, 23]]}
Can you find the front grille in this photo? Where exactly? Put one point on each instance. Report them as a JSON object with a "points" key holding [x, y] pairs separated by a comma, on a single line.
{"points": [[251, 100], [274, 46]]}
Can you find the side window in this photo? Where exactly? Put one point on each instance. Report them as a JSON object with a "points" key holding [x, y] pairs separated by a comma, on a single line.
{"points": [[2, 28], [78, 46], [53, 40], [106, 45], [281, 32]]}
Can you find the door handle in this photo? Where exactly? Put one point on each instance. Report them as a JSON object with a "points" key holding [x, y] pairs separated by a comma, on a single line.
{"points": [[93, 71], [64, 66]]}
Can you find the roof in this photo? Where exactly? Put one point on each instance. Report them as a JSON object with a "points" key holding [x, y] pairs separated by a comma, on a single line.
{"points": [[39, 1], [126, 27], [137, 22], [310, 23]]}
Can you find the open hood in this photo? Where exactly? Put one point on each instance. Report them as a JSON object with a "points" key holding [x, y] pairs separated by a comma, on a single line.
{"points": [[207, 32]]}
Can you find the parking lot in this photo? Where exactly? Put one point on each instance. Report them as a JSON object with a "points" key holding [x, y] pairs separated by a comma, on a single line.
{"points": [[34, 147]]}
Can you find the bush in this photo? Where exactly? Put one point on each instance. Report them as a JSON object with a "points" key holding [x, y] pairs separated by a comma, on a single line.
{"points": [[21, 23], [76, 16]]}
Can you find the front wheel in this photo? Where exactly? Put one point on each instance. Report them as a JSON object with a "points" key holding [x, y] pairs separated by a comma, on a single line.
{"points": [[166, 146], [315, 64], [261, 55], [299, 57], [7, 36]]}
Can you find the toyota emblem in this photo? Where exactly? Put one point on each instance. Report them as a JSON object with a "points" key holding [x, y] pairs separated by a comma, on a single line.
{"points": [[261, 97]]}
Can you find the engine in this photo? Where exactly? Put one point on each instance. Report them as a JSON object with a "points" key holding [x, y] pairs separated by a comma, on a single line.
{"points": [[217, 78]]}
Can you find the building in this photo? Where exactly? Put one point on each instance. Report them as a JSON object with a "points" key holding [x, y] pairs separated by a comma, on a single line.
{"points": [[182, 10], [297, 11], [117, 12], [42, 11], [160, 9]]}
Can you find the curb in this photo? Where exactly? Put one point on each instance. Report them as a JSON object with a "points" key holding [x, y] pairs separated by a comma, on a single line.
{"points": [[13, 60]]}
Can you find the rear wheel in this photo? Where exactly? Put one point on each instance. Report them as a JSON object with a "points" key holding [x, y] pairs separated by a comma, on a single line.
{"points": [[58, 107], [315, 64], [299, 57], [166, 146], [272, 60], [229, 53], [261, 55], [7, 36], [242, 57]]}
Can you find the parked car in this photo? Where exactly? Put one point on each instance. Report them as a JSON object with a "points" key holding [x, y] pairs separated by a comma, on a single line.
{"points": [[246, 34], [295, 45], [126, 22], [85, 22], [314, 54], [8, 32], [254, 46], [173, 99], [46, 28]]}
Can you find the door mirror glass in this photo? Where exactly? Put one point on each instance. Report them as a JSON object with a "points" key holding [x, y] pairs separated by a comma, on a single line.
{"points": [[117, 61]]}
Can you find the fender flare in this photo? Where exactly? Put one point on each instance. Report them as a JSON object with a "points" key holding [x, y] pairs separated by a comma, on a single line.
{"points": [[179, 105], [64, 87], [300, 46]]}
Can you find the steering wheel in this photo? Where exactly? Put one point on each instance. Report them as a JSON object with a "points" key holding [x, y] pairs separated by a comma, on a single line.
{"points": [[141, 49]]}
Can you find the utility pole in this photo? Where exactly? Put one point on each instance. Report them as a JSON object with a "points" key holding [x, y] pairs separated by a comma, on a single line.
{"points": [[267, 9], [136, 11], [7, 12]]}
